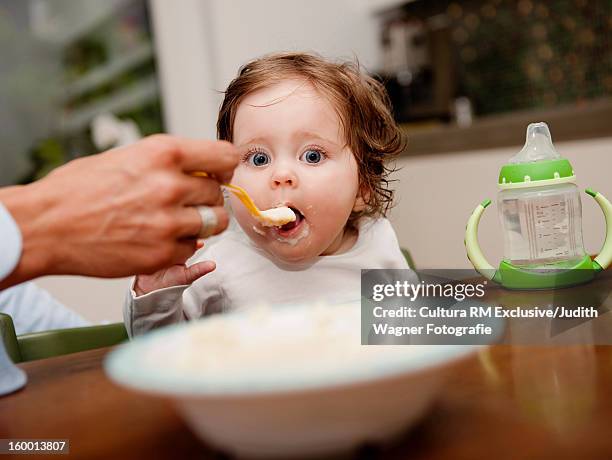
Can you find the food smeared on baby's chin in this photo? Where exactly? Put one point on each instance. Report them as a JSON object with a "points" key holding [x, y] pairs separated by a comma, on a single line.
{"points": [[259, 231]]}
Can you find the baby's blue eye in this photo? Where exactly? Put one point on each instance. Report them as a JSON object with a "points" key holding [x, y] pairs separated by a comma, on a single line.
{"points": [[260, 159], [312, 156]]}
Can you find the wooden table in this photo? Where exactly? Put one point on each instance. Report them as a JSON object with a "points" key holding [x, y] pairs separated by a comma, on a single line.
{"points": [[511, 402]]}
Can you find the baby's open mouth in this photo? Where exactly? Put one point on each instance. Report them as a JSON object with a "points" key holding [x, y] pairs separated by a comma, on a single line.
{"points": [[289, 226]]}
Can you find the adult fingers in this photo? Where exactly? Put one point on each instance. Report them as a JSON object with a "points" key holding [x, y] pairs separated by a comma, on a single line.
{"points": [[218, 158], [189, 222], [183, 250], [202, 191]]}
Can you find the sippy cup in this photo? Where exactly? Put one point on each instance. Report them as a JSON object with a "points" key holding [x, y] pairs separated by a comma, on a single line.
{"points": [[541, 215]]}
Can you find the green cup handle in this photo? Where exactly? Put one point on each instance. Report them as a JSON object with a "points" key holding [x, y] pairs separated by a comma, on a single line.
{"points": [[472, 246], [603, 259]]}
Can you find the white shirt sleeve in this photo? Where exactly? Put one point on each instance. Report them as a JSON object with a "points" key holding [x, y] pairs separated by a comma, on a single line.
{"points": [[171, 305], [155, 309], [10, 243], [33, 309]]}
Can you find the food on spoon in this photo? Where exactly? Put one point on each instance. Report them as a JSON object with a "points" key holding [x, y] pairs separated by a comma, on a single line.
{"points": [[276, 217]]}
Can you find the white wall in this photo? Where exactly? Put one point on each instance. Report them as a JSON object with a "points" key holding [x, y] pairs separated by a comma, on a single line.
{"points": [[244, 29], [185, 64], [202, 43], [98, 300], [437, 194]]}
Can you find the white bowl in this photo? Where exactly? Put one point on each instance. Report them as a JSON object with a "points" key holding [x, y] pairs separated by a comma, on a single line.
{"points": [[286, 382]]}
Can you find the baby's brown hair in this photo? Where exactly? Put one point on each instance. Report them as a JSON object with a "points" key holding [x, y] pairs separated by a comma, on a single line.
{"points": [[361, 102]]}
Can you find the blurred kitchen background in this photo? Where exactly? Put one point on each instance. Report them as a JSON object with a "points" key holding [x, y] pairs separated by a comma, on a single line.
{"points": [[465, 77]]}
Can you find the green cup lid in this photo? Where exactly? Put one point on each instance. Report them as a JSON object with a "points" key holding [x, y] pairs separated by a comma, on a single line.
{"points": [[527, 174]]}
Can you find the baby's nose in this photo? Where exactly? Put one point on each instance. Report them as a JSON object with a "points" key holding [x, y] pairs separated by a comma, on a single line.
{"points": [[284, 178]]}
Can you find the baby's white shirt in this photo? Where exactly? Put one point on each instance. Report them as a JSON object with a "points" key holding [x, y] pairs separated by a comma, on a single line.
{"points": [[246, 276]]}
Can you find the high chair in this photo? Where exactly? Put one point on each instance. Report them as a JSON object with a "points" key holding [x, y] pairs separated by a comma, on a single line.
{"points": [[46, 344]]}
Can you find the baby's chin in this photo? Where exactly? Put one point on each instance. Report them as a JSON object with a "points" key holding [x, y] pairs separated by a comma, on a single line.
{"points": [[298, 253], [296, 250]]}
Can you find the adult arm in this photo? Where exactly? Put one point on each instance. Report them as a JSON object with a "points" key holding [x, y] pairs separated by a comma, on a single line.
{"points": [[129, 210]]}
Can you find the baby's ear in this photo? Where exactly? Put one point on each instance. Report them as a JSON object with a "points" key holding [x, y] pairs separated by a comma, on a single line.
{"points": [[363, 196]]}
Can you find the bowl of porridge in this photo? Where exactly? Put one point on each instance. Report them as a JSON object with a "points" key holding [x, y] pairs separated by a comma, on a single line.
{"points": [[286, 381]]}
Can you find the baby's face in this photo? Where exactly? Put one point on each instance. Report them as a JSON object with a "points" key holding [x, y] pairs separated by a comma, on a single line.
{"points": [[295, 156]]}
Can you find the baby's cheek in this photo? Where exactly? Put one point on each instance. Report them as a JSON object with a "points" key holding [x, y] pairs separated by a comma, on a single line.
{"points": [[336, 203]]}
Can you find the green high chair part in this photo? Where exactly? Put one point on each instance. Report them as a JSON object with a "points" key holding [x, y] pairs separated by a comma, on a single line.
{"points": [[408, 257], [46, 344], [8, 336]]}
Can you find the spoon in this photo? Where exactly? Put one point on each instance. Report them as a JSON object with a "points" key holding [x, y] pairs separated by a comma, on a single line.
{"points": [[269, 217]]}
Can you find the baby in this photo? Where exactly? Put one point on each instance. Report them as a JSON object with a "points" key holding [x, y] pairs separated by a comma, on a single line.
{"points": [[317, 138]]}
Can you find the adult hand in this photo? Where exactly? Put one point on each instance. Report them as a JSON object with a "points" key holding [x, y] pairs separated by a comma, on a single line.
{"points": [[129, 210]]}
